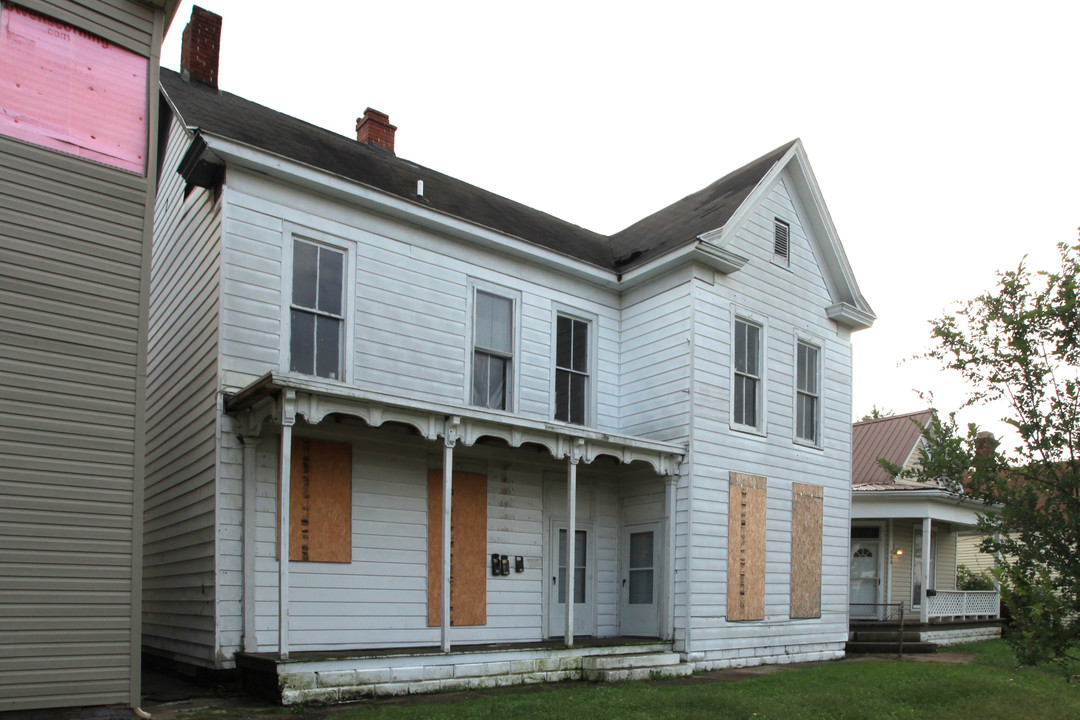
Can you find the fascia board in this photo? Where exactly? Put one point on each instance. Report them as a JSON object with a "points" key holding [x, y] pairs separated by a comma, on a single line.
{"points": [[706, 253], [259, 160], [939, 505]]}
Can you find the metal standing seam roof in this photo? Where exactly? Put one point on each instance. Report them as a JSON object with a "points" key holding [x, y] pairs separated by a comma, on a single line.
{"points": [[232, 117], [891, 438]]}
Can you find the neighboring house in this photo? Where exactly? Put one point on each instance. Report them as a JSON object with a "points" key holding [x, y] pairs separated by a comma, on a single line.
{"points": [[653, 425], [905, 537], [78, 127]]}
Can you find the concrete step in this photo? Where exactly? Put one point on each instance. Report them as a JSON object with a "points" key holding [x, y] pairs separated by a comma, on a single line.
{"points": [[883, 648], [636, 666], [629, 660]]}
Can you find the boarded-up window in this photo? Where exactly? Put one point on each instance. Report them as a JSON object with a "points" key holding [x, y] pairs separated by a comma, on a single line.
{"points": [[320, 501], [806, 551], [468, 549], [746, 547]]}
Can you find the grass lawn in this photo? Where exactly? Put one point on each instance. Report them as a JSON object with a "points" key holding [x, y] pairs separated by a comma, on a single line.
{"points": [[989, 687]]}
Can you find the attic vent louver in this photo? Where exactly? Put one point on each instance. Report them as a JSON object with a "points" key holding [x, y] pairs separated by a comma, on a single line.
{"points": [[781, 246]]}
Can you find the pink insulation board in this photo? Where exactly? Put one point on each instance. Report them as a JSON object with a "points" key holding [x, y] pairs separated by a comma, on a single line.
{"points": [[69, 90]]}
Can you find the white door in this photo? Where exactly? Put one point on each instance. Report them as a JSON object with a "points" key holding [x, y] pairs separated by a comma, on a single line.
{"points": [[584, 615], [865, 579], [642, 573]]}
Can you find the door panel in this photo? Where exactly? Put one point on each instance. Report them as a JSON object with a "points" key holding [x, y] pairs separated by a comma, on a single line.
{"points": [[642, 572], [584, 613], [865, 577]]}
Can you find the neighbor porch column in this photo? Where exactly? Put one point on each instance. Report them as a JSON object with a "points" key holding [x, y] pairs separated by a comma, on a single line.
{"points": [[671, 484], [450, 439], [924, 608], [288, 418], [571, 538], [249, 478]]}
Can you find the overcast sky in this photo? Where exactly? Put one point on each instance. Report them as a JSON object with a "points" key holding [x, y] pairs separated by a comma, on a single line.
{"points": [[943, 134]]}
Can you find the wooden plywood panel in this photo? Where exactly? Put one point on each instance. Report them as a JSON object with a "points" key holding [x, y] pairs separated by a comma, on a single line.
{"points": [[746, 547], [806, 520], [320, 501], [468, 549]]}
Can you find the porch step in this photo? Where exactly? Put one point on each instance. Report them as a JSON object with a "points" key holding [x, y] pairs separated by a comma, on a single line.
{"points": [[635, 666], [885, 636], [861, 647]]}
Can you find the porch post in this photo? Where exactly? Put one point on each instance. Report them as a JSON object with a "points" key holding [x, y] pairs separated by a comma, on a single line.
{"points": [[924, 608], [571, 538], [450, 439], [249, 478], [288, 418], [671, 483]]}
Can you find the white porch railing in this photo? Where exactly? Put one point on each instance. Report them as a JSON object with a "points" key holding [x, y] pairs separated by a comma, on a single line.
{"points": [[963, 605]]}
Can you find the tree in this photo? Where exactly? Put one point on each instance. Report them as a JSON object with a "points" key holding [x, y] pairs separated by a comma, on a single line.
{"points": [[1020, 345], [877, 413]]}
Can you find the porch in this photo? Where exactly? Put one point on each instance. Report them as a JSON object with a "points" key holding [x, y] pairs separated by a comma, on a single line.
{"points": [[336, 677], [461, 540]]}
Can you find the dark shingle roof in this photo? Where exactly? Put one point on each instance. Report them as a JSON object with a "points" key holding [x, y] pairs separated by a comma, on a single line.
{"points": [[240, 120], [892, 438]]}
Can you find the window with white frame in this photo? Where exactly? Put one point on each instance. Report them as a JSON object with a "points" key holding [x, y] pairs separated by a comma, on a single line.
{"points": [[571, 369], [317, 311], [746, 391], [493, 350], [807, 393]]}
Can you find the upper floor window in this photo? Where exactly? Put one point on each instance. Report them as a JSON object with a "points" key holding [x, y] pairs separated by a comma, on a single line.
{"points": [[571, 369], [781, 241], [807, 395], [746, 391], [493, 350], [317, 317]]}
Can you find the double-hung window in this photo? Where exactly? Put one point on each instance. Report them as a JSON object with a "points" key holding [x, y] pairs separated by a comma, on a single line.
{"points": [[746, 391], [571, 369], [493, 350], [317, 312], [807, 393]]}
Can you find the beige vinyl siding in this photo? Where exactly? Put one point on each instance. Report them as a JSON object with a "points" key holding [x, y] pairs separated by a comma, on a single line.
{"points": [[72, 258], [182, 383]]}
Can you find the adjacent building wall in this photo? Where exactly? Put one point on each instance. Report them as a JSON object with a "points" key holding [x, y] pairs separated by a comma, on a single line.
{"points": [[74, 260]]}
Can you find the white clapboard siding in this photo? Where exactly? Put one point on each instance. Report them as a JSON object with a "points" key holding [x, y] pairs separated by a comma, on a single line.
{"points": [[182, 386], [790, 302]]}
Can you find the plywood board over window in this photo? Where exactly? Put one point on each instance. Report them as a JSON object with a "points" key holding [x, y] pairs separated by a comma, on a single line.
{"points": [[806, 514], [746, 547], [468, 549], [320, 501]]}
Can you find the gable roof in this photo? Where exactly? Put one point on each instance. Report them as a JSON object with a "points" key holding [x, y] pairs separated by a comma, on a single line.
{"points": [[698, 223], [698, 213], [892, 438]]}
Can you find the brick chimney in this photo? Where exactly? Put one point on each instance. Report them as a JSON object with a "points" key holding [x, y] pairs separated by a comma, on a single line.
{"points": [[375, 129], [200, 47]]}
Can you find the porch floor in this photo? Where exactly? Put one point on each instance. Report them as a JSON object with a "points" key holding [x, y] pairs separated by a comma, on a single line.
{"points": [[331, 676]]}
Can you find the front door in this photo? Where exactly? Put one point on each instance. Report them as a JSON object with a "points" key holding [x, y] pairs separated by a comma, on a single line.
{"points": [[865, 579], [584, 616], [639, 603]]}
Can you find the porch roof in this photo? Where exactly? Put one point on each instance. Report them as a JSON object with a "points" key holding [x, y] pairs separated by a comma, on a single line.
{"points": [[916, 503], [281, 397]]}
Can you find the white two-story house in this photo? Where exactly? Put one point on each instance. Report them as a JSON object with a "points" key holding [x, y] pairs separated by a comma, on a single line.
{"points": [[407, 435]]}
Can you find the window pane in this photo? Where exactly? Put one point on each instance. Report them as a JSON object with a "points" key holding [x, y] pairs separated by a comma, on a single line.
{"points": [[581, 346], [577, 398], [494, 322], [562, 395], [737, 394], [331, 267], [305, 259], [641, 587], [564, 338], [302, 343], [479, 379], [752, 340], [327, 347], [740, 346], [489, 381], [641, 550], [579, 565], [750, 402], [579, 586]]}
